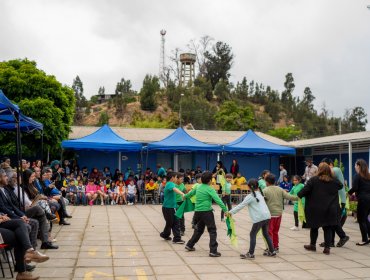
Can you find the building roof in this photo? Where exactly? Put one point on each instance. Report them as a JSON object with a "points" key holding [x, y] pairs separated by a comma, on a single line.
{"points": [[148, 135], [330, 140]]}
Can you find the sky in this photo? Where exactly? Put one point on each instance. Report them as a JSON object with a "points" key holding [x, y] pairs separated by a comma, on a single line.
{"points": [[325, 44]]}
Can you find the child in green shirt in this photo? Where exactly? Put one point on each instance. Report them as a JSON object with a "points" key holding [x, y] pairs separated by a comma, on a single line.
{"points": [[297, 187], [169, 208], [226, 191], [204, 214]]}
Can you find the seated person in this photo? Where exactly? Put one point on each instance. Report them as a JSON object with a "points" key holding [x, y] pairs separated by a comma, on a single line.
{"points": [[150, 188], [121, 193], [113, 192], [131, 192], [14, 233], [91, 192], [102, 192], [240, 180], [80, 196], [71, 192]]}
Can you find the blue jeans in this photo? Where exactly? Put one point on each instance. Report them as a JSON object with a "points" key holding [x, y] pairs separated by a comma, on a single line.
{"points": [[131, 198]]}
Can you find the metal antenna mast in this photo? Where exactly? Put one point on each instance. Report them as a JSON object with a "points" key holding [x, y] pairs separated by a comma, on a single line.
{"points": [[162, 62]]}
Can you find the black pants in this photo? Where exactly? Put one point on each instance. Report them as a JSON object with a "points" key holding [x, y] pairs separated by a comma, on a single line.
{"points": [[226, 200], [338, 229], [205, 219], [171, 224], [314, 233], [15, 233], [264, 225], [296, 220], [363, 211], [181, 221], [37, 213]]}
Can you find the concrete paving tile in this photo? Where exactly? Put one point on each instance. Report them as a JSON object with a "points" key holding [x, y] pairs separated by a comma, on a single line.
{"points": [[298, 258], [211, 268], [130, 262], [92, 273], [165, 254], [330, 274], [246, 267], [264, 275], [199, 260], [296, 274], [280, 266], [171, 270], [166, 261], [60, 255], [133, 271], [359, 272], [312, 265], [344, 264], [66, 272], [177, 277], [218, 276], [364, 262], [60, 263], [94, 262]]}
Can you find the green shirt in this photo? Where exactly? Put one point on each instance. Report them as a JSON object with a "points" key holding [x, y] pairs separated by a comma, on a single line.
{"points": [[169, 200], [261, 184], [205, 194], [294, 191], [227, 189], [182, 188]]}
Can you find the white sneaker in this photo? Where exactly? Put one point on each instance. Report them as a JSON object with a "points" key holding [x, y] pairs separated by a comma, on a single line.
{"points": [[294, 228]]}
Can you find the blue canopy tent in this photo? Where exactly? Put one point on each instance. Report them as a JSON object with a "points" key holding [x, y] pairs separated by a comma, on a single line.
{"points": [[105, 140], [181, 142], [11, 119], [251, 143]]}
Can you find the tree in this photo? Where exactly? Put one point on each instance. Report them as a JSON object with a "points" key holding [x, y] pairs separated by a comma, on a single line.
{"points": [[41, 97], [354, 120], [286, 133], [218, 63], [222, 91], [198, 111], [119, 101], [101, 91], [148, 93], [287, 95], [103, 119], [81, 101], [204, 86], [242, 89], [199, 48], [231, 116], [124, 86], [308, 99]]}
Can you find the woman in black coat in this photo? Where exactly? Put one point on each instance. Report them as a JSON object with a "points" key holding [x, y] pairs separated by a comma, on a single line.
{"points": [[361, 186], [322, 205]]}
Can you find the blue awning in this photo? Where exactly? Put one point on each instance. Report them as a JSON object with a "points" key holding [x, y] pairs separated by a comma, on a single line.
{"points": [[251, 143], [104, 139], [180, 141], [8, 110]]}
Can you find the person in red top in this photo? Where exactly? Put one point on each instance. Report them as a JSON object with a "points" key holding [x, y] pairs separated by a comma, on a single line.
{"points": [[91, 189], [234, 169]]}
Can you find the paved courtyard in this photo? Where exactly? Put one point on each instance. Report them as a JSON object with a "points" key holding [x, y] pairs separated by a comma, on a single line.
{"points": [[115, 242]]}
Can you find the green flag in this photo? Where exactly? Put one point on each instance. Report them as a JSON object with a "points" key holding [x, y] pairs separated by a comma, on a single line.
{"points": [[186, 206], [301, 214], [231, 231]]}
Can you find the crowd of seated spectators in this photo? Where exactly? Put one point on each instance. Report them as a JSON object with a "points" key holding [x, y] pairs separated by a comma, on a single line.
{"points": [[30, 203]]}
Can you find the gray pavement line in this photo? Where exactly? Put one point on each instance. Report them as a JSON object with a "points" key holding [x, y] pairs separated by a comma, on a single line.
{"points": [[134, 231]]}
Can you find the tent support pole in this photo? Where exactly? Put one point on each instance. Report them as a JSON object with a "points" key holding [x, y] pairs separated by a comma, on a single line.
{"points": [[42, 149], [146, 162], [19, 157], [119, 161], [350, 164]]}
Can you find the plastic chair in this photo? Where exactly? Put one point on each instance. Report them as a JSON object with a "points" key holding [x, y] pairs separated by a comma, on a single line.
{"points": [[5, 248]]}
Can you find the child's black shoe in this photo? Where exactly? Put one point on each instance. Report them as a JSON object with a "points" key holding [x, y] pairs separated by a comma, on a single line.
{"points": [[215, 255], [247, 256]]}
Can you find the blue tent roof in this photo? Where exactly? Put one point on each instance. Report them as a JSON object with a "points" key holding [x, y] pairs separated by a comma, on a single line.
{"points": [[104, 139], [7, 117], [251, 143], [180, 141]]}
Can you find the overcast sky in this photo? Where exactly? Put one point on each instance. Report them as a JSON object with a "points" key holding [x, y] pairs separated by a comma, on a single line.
{"points": [[325, 44]]}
